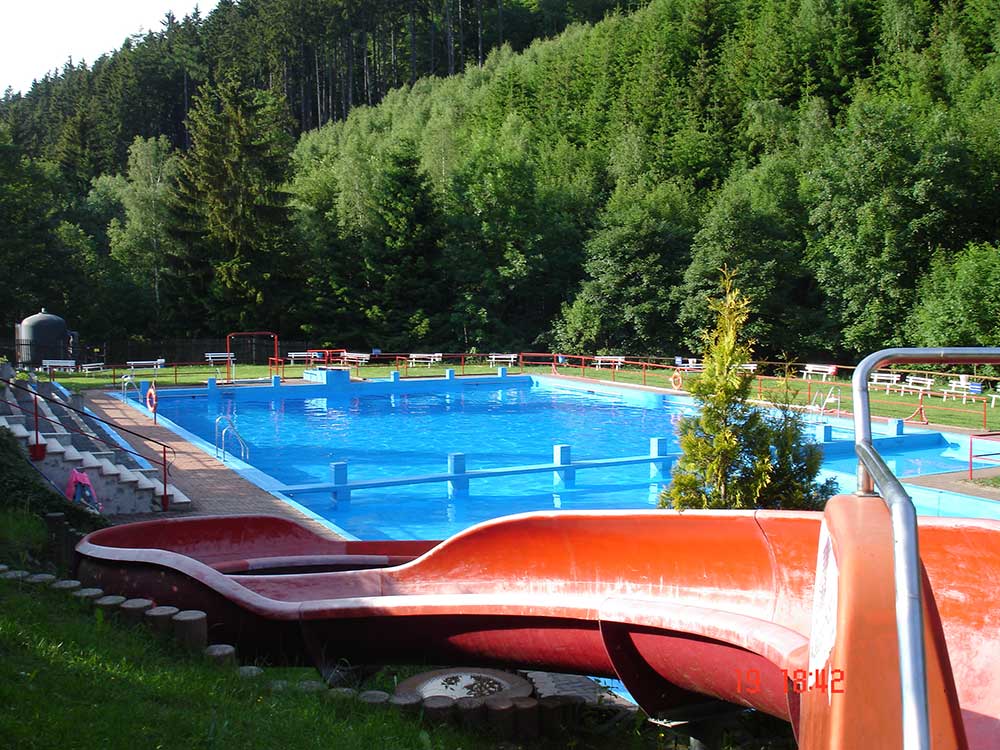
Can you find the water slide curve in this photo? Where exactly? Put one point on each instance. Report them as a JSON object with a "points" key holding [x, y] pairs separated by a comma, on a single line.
{"points": [[789, 613]]}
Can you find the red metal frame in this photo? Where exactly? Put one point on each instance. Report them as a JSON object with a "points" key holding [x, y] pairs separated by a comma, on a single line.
{"points": [[229, 336]]}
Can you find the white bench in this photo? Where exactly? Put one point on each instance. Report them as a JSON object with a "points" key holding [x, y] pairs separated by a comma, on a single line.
{"points": [[92, 367], [293, 357], [602, 361], [749, 366], [888, 379], [503, 359], [425, 359], [824, 371], [355, 358], [917, 384], [965, 387], [215, 358], [154, 364], [62, 365], [691, 364]]}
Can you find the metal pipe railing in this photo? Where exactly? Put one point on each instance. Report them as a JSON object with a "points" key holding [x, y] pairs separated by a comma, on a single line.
{"points": [[873, 471]]}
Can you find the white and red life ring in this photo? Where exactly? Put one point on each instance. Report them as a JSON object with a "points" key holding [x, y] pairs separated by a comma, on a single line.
{"points": [[151, 398], [676, 381]]}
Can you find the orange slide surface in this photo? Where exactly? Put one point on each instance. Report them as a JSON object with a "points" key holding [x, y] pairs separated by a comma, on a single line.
{"points": [[789, 613]]}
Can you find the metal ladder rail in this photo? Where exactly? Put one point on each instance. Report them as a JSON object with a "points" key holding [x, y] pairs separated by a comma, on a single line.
{"points": [[819, 401], [128, 380], [228, 427], [872, 471]]}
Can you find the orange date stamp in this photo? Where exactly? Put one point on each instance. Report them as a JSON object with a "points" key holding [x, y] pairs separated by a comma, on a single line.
{"points": [[797, 681]]}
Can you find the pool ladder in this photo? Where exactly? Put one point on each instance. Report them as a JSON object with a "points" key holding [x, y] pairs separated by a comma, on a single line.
{"points": [[820, 403], [228, 428], [128, 380]]}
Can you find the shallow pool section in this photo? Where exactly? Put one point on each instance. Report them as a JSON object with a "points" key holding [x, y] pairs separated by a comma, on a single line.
{"points": [[406, 430]]}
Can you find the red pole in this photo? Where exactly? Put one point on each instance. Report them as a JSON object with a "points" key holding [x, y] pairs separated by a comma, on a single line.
{"points": [[644, 373], [984, 415], [36, 419], [164, 503], [970, 456]]}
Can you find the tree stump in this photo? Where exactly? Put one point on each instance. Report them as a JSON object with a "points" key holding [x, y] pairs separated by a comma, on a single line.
{"points": [[525, 718], [88, 595], [406, 701], [439, 708], [471, 712], [160, 619], [500, 716], [67, 584], [191, 629], [221, 654], [109, 604], [132, 610]]}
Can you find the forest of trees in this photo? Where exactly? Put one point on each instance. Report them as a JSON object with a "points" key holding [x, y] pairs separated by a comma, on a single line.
{"points": [[312, 167]]}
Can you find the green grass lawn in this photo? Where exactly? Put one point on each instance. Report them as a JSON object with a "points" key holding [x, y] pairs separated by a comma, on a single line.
{"points": [[71, 680]]}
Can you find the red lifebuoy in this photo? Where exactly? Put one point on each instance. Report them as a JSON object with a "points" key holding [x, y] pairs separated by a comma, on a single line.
{"points": [[676, 381], [151, 399]]}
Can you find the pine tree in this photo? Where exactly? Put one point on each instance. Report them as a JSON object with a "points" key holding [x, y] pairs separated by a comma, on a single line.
{"points": [[736, 455], [231, 188]]}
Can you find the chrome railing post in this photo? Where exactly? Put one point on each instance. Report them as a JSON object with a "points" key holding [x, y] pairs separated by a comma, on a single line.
{"points": [[873, 471]]}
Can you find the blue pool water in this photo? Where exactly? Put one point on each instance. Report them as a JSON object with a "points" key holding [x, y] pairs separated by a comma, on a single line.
{"points": [[388, 431]]}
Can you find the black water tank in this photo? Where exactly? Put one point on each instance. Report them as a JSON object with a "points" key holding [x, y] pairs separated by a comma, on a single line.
{"points": [[41, 336]]}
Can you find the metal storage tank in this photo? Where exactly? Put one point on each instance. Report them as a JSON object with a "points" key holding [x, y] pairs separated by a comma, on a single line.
{"points": [[41, 336]]}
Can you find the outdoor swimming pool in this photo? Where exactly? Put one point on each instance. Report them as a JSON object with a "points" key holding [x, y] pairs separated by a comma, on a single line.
{"points": [[383, 431]]}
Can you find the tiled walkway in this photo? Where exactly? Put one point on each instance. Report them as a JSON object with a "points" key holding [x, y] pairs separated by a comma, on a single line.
{"points": [[212, 487]]}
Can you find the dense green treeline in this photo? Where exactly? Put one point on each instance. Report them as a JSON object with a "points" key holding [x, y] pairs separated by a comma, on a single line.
{"points": [[841, 156]]}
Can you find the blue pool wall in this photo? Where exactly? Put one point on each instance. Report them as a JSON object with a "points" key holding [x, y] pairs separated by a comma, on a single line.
{"points": [[339, 385]]}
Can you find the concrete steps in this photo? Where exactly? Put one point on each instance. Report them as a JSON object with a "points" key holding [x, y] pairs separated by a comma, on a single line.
{"points": [[120, 489]]}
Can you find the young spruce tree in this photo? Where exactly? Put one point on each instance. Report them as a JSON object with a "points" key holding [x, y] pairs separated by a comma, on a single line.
{"points": [[736, 454]]}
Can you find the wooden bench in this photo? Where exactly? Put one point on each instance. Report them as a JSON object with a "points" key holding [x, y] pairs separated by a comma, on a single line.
{"points": [[425, 359], [917, 384], [138, 364], [215, 358], [824, 371], [503, 359], [310, 357], [888, 379], [602, 361], [60, 365], [92, 367], [355, 358]]}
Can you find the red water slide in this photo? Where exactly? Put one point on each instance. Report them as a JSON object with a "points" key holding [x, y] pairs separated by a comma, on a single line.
{"points": [[789, 613]]}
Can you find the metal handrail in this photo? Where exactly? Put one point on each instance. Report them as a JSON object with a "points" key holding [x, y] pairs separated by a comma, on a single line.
{"points": [[220, 445], [873, 471]]}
